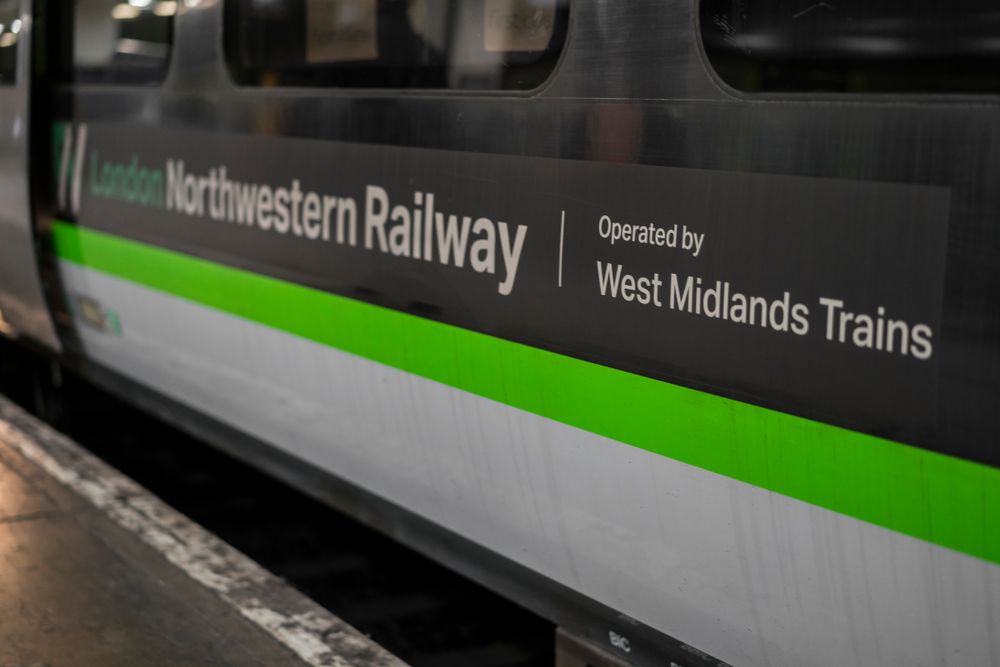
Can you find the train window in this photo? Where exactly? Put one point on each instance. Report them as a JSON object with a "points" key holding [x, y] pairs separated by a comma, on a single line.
{"points": [[461, 44], [10, 29], [121, 42], [854, 46]]}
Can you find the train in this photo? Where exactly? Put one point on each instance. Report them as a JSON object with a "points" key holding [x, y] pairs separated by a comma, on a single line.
{"points": [[675, 321]]}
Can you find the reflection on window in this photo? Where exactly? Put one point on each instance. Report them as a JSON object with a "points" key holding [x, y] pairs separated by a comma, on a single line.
{"points": [[10, 29], [121, 42], [468, 44], [857, 46]]}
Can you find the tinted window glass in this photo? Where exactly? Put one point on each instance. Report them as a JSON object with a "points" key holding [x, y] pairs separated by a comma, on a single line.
{"points": [[854, 46], [10, 29], [469, 44], [121, 42]]}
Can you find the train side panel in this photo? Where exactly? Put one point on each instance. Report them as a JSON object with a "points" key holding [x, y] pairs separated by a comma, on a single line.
{"points": [[599, 329]]}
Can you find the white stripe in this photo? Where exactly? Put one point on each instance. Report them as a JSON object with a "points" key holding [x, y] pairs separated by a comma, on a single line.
{"points": [[81, 147], [67, 149]]}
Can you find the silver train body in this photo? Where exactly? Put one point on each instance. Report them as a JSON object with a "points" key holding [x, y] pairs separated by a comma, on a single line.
{"points": [[583, 336]]}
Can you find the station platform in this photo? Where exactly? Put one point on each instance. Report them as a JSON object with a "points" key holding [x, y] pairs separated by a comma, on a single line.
{"points": [[94, 570]]}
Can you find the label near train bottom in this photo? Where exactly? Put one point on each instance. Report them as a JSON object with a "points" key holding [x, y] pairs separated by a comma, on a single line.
{"points": [[818, 296]]}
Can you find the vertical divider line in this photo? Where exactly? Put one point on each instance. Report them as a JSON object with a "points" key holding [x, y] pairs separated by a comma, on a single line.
{"points": [[562, 232]]}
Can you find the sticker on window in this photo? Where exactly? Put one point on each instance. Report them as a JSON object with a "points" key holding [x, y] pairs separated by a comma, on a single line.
{"points": [[518, 25], [341, 31]]}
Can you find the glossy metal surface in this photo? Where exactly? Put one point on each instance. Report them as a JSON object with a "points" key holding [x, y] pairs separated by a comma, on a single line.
{"points": [[633, 87], [22, 300]]}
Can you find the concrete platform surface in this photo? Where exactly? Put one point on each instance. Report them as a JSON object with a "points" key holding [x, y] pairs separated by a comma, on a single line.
{"points": [[96, 571]]}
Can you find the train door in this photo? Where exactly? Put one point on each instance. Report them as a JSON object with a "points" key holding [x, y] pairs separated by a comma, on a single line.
{"points": [[23, 309]]}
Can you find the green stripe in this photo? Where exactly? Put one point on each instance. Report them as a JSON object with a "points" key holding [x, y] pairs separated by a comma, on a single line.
{"points": [[944, 500]]}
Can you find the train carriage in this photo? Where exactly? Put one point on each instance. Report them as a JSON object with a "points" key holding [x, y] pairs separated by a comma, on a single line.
{"points": [[676, 321]]}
